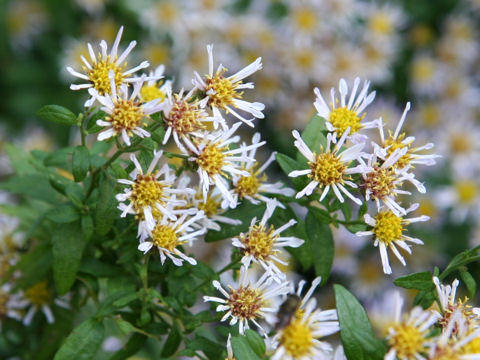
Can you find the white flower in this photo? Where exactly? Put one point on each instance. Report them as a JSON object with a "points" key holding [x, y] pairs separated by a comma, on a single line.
{"points": [[168, 234], [262, 243], [149, 196], [388, 230], [408, 335], [222, 93], [126, 114], [216, 163], [299, 338], [249, 300], [153, 88], [344, 113], [96, 72], [253, 186], [329, 169]]}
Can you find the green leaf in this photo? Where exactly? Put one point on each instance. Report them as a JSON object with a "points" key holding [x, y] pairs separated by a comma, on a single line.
{"points": [[172, 343], [83, 342], [418, 281], [244, 212], [211, 349], [109, 306], [31, 186], [242, 349], [66, 213], [58, 114], [126, 327], [356, 332], [469, 282], [134, 344], [67, 249], [256, 342], [87, 226], [321, 241], [313, 136], [59, 158], [34, 265], [80, 163], [460, 260], [92, 126], [106, 210], [425, 298], [288, 165]]}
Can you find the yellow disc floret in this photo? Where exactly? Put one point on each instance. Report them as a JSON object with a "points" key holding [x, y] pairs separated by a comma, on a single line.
{"points": [[245, 303], [259, 242], [394, 144], [126, 115], [305, 19], [212, 159], [327, 169], [98, 75], [249, 185], [39, 294], [467, 191], [343, 118], [147, 191], [166, 237], [297, 339], [388, 227], [151, 92], [221, 91], [185, 117], [407, 341]]}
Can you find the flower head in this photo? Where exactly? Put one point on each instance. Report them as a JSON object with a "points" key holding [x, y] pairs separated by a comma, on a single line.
{"points": [[96, 71], [329, 168], [225, 93], [388, 230]]}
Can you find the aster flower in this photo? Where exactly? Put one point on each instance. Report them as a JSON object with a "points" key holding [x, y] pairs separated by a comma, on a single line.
{"points": [[329, 169], [388, 230], [253, 186], [408, 335], [344, 113], [262, 243], [216, 163], [300, 338], [96, 72], [126, 114], [398, 140], [222, 93], [249, 300], [151, 194], [168, 235], [382, 179], [154, 89]]}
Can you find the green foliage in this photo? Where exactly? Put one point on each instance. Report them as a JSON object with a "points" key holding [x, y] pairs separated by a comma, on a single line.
{"points": [[242, 349], [321, 242], [58, 114]]}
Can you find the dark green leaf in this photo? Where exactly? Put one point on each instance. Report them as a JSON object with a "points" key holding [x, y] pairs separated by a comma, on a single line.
{"points": [[313, 136], [80, 163], [425, 298], [256, 342], [59, 158], [58, 114], [210, 348], [242, 349], [354, 321], [172, 343], [469, 282], [32, 186], [108, 305], [67, 249], [288, 165], [92, 126], [134, 344], [106, 210], [83, 342], [418, 281], [87, 226], [321, 241], [63, 214], [34, 265]]}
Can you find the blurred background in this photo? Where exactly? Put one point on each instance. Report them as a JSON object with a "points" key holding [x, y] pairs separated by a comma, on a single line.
{"points": [[423, 51]]}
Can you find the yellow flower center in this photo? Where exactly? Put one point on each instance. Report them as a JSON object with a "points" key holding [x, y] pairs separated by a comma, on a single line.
{"points": [[259, 242], [407, 341], [460, 144], [147, 191], [395, 144], [445, 353], [185, 117], [151, 92], [212, 159], [380, 23], [248, 185], [459, 305], [430, 115], [126, 115], [245, 303], [473, 347], [98, 75], [297, 339], [423, 70], [388, 227], [305, 19], [342, 118], [304, 58], [327, 169], [211, 206], [223, 90], [165, 237], [38, 294], [467, 191], [381, 182]]}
